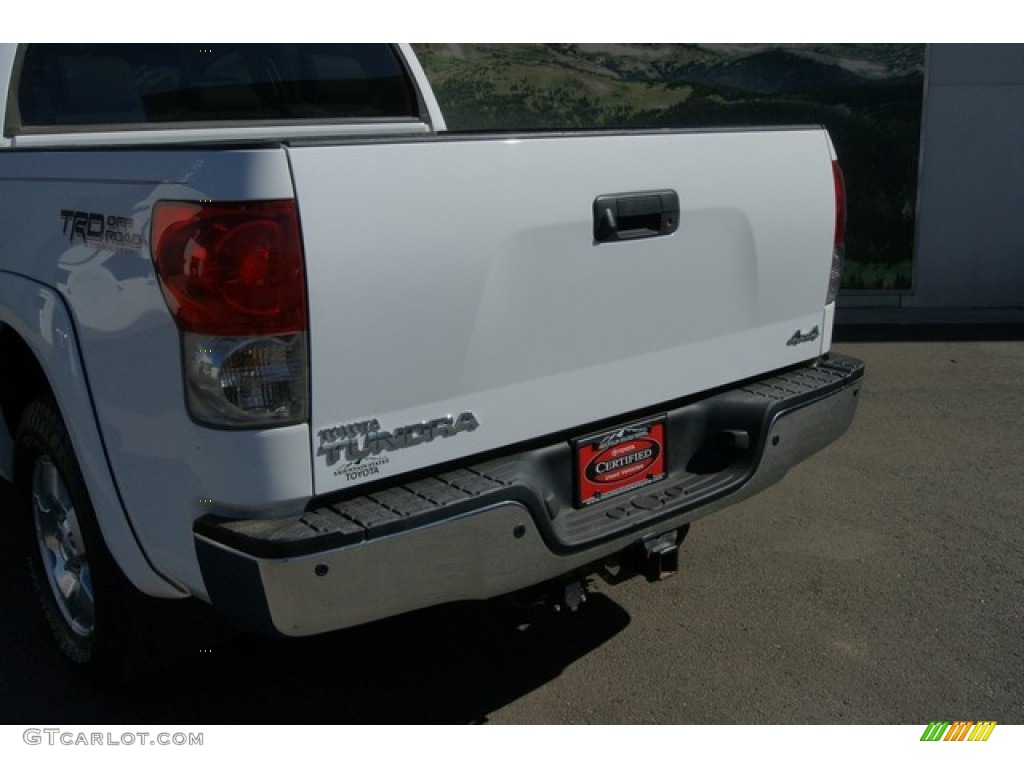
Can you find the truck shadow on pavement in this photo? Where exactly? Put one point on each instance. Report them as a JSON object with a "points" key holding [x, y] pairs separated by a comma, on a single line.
{"points": [[451, 664]]}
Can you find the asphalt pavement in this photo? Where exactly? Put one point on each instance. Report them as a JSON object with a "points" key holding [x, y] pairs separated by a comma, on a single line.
{"points": [[881, 582]]}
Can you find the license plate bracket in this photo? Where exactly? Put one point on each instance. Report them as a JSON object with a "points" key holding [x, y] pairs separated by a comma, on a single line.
{"points": [[619, 460]]}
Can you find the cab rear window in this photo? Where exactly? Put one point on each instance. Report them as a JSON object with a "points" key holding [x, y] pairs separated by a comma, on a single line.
{"points": [[81, 86]]}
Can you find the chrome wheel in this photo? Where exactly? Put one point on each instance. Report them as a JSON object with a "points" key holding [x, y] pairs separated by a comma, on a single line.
{"points": [[62, 548]]}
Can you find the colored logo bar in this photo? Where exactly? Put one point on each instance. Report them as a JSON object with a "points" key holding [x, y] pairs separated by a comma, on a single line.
{"points": [[959, 730]]}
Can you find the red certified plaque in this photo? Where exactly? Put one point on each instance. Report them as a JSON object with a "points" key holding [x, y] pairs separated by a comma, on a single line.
{"points": [[620, 460]]}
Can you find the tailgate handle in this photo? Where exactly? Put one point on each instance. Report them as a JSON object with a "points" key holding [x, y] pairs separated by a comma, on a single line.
{"points": [[635, 215]]}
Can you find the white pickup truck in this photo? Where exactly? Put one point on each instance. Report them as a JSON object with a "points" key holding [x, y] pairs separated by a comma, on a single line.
{"points": [[273, 338]]}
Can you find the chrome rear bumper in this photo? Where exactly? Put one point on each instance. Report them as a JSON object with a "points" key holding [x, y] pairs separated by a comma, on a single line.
{"points": [[505, 524]]}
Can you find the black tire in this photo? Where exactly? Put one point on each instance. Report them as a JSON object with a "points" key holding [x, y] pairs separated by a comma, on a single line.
{"points": [[93, 611]]}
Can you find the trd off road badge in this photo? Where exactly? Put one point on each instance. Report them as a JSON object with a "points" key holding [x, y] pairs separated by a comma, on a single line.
{"points": [[103, 231], [617, 462]]}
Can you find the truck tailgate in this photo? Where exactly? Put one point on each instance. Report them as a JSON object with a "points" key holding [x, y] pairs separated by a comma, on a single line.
{"points": [[459, 301]]}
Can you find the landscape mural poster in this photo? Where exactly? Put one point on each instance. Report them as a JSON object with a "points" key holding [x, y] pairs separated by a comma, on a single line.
{"points": [[869, 96]]}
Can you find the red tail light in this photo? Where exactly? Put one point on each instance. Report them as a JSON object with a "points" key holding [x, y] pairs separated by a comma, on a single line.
{"points": [[840, 184], [231, 268], [233, 276], [835, 277]]}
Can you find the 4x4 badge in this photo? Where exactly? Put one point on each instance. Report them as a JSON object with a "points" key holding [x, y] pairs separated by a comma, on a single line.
{"points": [[802, 338]]}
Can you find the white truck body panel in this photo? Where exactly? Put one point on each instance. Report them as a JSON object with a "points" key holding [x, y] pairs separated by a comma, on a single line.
{"points": [[169, 469], [462, 276], [39, 316]]}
